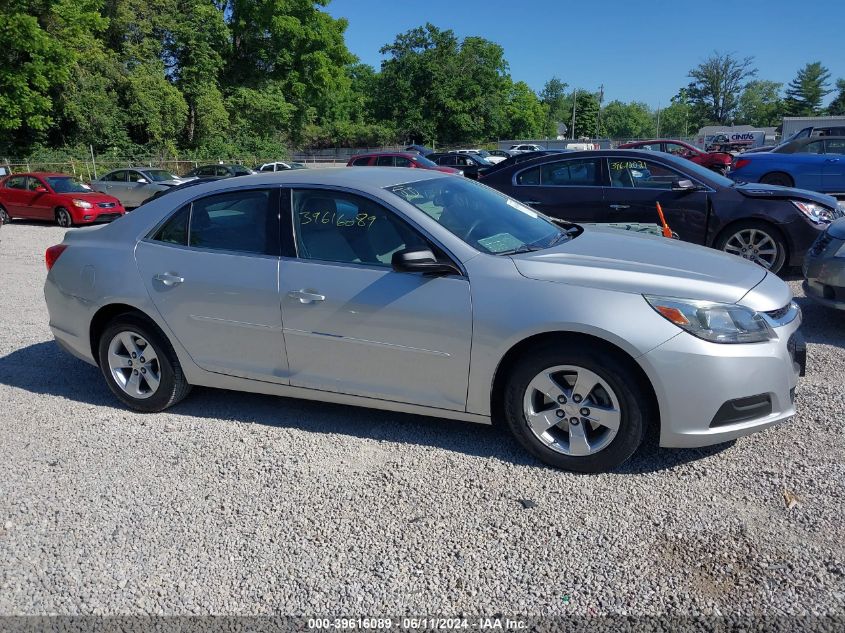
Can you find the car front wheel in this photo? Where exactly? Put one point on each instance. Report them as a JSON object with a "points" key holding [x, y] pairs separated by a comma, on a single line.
{"points": [[140, 366], [4, 216], [63, 218], [576, 408], [756, 242]]}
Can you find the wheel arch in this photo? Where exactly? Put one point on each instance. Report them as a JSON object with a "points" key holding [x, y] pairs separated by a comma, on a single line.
{"points": [[757, 219], [512, 356], [778, 172], [106, 315]]}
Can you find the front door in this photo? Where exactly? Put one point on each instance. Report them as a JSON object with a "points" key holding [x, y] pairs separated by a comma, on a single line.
{"points": [[216, 284], [637, 185], [834, 166], [352, 324], [566, 189]]}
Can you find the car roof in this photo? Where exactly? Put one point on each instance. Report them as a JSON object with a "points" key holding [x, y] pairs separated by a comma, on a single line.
{"points": [[370, 154], [378, 177], [43, 174]]}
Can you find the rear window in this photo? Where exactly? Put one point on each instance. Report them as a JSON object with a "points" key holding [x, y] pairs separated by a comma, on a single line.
{"points": [[361, 162]]}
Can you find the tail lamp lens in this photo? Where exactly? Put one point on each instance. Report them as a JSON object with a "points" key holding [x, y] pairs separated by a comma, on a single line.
{"points": [[53, 254]]}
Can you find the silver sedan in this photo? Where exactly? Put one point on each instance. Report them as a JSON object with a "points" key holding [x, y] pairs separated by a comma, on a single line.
{"points": [[428, 294], [133, 186]]}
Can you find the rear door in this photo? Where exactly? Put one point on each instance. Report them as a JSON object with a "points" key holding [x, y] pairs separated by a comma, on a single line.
{"points": [[569, 189], [212, 272], [117, 187], [16, 197], [637, 185]]}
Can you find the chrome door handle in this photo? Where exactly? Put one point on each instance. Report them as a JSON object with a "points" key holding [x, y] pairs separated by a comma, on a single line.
{"points": [[620, 206], [832, 160], [169, 279], [306, 296]]}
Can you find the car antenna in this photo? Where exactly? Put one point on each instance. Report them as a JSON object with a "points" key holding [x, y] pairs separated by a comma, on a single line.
{"points": [[667, 232]]}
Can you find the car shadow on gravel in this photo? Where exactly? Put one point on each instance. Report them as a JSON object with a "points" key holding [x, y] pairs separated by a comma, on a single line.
{"points": [[44, 369]]}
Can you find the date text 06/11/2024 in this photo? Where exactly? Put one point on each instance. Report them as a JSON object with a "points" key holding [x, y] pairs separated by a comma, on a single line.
{"points": [[420, 624]]}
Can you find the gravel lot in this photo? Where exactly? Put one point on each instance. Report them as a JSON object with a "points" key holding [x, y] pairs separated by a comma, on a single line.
{"points": [[233, 503]]}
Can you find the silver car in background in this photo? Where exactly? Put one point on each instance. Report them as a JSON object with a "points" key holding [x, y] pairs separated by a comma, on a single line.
{"points": [[133, 186], [824, 267], [413, 291]]}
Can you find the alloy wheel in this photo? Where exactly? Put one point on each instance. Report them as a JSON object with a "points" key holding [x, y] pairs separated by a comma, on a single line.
{"points": [[754, 245], [572, 410], [63, 218], [134, 364]]}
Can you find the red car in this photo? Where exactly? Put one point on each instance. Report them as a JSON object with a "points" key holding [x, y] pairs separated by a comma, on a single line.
{"points": [[719, 162], [55, 197], [398, 159]]}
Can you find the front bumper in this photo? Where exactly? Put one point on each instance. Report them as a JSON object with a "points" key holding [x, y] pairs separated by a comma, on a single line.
{"points": [[695, 379], [97, 216], [824, 273]]}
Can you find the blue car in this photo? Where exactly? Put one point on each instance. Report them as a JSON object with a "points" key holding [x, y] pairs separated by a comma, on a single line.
{"points": [[824, 172]]}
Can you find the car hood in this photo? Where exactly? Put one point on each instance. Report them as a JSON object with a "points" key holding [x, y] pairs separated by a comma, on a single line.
{"points": [[759, 190], [615, 259], [91, 196]]}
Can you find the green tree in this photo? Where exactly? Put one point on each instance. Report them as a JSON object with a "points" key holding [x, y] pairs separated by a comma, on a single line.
{"points": [[525, 114], [558, 105], [156, 110], [294, 46], [761, 104], [716, 85], [586, 114], [837, 106], [627, 120], [805, 93]]}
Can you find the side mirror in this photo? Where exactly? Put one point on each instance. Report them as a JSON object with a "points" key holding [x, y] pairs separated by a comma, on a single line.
{"points": [[142, 181], [421, 260], [683, 184]]}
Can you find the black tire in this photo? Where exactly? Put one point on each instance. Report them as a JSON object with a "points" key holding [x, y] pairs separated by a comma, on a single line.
{"points": [[634, 404], [173, 386], [5, 218], [773, 233], [64, 218], [720, 169], [778, 178]]}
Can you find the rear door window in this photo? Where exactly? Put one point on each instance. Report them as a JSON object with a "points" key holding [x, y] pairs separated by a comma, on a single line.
{"points": [[16, 182], [582, 172], [240, 221], [385, 161], [835, 147], [361, 162]]}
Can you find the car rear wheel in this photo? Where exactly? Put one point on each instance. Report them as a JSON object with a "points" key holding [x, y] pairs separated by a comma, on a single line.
{"points": [[140, 366], [576, 407], [756, 242], [63, 218], [778, 178]]}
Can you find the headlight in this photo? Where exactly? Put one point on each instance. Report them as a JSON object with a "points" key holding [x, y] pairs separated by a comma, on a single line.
{"points": [[714, 322], [82, 204], [815, 213]]}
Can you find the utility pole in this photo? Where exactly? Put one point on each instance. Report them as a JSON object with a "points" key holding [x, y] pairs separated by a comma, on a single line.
{"points": [[598, 124], [574, 101], [658, 119]]}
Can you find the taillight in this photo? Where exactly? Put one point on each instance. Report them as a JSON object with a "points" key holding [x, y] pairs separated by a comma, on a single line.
{"points": [[741, 162], [53, 254]]}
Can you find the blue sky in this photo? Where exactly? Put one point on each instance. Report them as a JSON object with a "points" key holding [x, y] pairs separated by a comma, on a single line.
{"points": [[641, 49]]}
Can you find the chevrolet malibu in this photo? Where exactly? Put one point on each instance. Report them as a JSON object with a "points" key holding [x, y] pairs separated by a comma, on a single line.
{"points": [[419, 292]]}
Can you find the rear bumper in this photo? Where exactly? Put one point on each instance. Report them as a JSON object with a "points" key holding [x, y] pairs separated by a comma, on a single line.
{"points": [[696, 381]]}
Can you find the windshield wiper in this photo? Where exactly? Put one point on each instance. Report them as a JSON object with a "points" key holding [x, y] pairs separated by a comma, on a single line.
{"points": [[525, 248]]}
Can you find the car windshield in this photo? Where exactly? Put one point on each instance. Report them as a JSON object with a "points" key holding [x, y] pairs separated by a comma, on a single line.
{"points": [[66, 184], [160, 175], [422, 160], [482, 217]]}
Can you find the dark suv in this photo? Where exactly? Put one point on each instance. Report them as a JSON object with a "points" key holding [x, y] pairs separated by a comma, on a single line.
{"points": [[471, 164]]}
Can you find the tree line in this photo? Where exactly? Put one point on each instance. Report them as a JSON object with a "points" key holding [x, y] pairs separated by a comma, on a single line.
{"points": [[209, 78]]}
